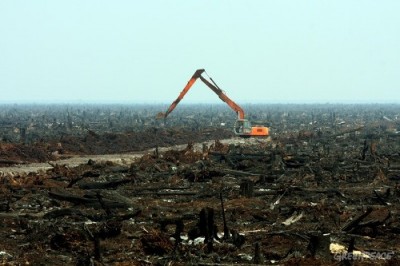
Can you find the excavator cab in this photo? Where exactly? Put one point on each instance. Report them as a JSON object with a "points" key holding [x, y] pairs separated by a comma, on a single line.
{"points": [[244, 129]]}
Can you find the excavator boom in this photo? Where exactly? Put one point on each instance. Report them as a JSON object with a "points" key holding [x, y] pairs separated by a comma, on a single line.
{"points": [[190, 83]]}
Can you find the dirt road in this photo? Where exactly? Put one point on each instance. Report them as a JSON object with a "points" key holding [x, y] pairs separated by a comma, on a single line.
{"points": [[121, 158]]}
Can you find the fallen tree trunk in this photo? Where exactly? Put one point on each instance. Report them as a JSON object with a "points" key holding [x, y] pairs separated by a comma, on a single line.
{"points": [[87, 201], [4, 161], [354, 223], [104, 185]]}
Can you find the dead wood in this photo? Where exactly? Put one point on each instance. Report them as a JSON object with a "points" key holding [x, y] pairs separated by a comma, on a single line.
{"points": [[226, 229], [380, 198], [54, 214], [17, 215], [62, 212], [314, 170], [257, 259], [355, 222], [168, 193], [329, 191], [156, 243], [71, 198], [318, 246], [206, 225], [105, 185], [156, 187], [5, 161], [239, 173], [290, 234], [247, 188], [240, 156], [349, 261], [179, 227], [88, 200], [375, 222], [74, 181], [104, 205]]}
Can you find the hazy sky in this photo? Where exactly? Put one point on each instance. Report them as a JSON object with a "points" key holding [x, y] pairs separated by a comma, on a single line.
{"points": [[145, 51]]}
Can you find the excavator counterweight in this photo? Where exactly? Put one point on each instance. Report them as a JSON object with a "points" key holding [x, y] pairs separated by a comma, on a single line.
{"points": [[242, 127]]}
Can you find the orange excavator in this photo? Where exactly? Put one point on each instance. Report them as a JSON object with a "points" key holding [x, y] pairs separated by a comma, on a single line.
{"points": [[242, 127]]}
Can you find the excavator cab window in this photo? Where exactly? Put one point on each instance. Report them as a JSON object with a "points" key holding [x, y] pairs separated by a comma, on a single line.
{"points": [[242, 126]]}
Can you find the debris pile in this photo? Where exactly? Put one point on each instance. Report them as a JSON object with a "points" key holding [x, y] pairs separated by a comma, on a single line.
{"points": [[250, 201]]}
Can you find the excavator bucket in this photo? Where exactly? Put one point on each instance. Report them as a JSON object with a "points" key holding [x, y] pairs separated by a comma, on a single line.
{"points": [[160, 115]]}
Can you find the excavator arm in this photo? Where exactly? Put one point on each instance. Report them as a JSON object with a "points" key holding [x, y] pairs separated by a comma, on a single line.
{"points": [[213, 86]]}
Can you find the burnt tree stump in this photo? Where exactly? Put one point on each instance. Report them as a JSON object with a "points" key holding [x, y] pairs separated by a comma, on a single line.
{"points": [[247, 188], [207, 226], [319, 246]]}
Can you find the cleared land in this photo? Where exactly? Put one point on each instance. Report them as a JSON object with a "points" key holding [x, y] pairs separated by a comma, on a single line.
{"points": [[323, 188]]}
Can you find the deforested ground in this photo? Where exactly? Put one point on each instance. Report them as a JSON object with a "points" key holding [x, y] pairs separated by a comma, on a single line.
{"points": [[322, 189]]}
